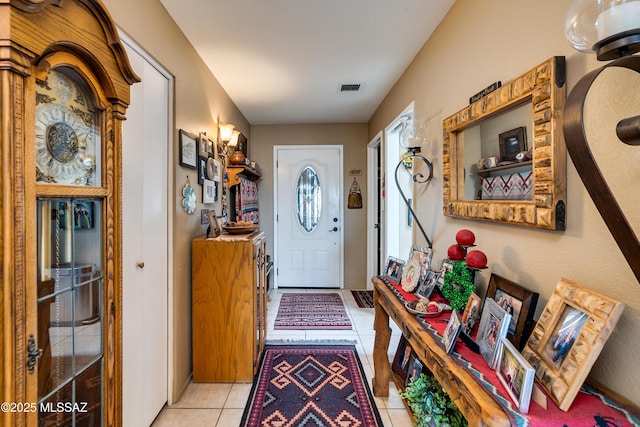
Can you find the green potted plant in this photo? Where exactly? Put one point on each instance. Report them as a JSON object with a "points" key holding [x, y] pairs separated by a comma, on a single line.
{"points": [[430, 404], [458, 286]]}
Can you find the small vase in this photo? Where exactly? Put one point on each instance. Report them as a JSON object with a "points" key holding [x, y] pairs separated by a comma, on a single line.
{"points": [[237, 158]]}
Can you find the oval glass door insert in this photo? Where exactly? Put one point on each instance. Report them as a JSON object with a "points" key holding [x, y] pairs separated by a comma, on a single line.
{"points": [[308, 199]]}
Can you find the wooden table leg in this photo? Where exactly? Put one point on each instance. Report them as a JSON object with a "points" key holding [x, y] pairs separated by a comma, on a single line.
{"points": [[381, 365]]}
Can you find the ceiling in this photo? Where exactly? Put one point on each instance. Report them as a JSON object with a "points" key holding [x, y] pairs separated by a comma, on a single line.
{"points": [[284, 61]]}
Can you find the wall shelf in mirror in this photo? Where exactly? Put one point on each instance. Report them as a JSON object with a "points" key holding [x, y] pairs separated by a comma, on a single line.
{"points": [[534, 101]]}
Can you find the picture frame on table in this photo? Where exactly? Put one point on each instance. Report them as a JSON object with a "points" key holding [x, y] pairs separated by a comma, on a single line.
{"points": [[512, 142], [470, 314], [203, 145], [446, 266], [208, 191], [517, 301], [412, 272], [393, 269], [568, 338], [402, 358], [494, 325], [451, 332], [214, 225], [188, 150], [516, 375], [425, 289], [415, 368]]}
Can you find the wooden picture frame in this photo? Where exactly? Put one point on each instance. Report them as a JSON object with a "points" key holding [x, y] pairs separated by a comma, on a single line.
{"points": [[188, 150], [427, 286], [515, 374], [585, 319], [203, 145], [208, 191], [517, 301], [393, 269], [214, 225], [494, 325], [402, 358], [470, 314], [450, 335], [511, 143]]}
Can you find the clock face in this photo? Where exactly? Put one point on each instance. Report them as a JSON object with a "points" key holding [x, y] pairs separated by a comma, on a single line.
{"points": [[66, 136]]}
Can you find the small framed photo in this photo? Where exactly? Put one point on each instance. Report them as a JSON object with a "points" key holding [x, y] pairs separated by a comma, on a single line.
{"points": [[512, 142], [452, 331], [401, 359], [217, 170], [447, 266], [214, 226], [568, 337], [208, 191], [494, 325], [415, 368], [188, 150], [393, 269], [202, 169], [470, 314], [204, 218], [203, 145], [519, 302], [515, 374], [211, 148], [428, 285]]}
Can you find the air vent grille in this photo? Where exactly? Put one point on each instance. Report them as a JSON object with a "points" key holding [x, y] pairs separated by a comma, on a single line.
{"points": [[351, 87]]}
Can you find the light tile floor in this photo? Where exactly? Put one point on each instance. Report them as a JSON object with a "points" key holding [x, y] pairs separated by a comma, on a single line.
{"points": [[222, 404]]}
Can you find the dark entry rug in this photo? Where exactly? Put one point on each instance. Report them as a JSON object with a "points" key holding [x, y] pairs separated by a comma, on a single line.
{"points": [[364, 299], [310, 384], [309, 311]]}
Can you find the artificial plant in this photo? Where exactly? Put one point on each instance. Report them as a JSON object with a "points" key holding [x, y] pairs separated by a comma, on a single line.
{"points": [[430, 404]]}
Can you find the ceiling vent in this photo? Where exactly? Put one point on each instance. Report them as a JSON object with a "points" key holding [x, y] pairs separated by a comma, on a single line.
{"points": [[351, 87]]}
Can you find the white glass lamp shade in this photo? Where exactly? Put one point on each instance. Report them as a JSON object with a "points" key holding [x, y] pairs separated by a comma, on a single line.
{"points": [[234, 138], [226, 131], [611, 28]]}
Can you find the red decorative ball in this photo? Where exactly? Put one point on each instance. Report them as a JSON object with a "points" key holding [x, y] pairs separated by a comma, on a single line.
{"points": [[465, 237], [476, 259], [456, 252]]}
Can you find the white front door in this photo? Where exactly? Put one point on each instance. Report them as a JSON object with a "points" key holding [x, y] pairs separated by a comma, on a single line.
{"points": [[308, 220], [145, 245]]}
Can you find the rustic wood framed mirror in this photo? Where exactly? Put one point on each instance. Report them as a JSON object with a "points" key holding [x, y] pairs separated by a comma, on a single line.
{"points": [[527, 189]]}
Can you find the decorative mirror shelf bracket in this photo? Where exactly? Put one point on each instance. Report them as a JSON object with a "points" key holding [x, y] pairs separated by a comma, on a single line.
{"points": [[544, 87]]}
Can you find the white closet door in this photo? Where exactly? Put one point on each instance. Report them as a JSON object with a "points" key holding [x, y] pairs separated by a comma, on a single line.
{"points": [[145, 246]]}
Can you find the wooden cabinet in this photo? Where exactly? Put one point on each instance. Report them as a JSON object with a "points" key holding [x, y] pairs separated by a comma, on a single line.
{"points": [[229, 306]]}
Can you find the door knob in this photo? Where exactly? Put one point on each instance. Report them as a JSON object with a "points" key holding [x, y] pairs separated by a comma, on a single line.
{"points": [[140, 265]]}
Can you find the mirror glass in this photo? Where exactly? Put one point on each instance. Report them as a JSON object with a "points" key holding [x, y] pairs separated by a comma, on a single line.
{"points": [[492, 173]]}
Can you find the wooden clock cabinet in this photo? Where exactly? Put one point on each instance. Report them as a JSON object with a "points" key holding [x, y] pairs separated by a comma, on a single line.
{"points": [[64, 88], [228, 306]]}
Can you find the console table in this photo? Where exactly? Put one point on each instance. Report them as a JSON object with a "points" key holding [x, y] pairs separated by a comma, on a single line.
{"points": [[478, 407], [481, 401]]}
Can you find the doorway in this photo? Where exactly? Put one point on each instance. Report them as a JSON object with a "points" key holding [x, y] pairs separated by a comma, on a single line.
{"points": [[146, 153], [308, 220], [375, 254]]}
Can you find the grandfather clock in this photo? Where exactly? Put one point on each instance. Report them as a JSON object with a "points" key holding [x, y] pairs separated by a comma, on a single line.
{"points": [[64, 89]]}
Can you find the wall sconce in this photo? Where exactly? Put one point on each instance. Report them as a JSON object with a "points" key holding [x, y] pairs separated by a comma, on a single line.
{"points": [[611, 29], [226, 132]]}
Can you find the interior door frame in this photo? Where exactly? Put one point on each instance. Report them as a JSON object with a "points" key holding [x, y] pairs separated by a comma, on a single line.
{"points": [[340, 148], [375, 235], [169, 208]]}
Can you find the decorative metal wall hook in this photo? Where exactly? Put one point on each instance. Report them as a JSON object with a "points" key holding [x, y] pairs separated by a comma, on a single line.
{"points": [[418, 178]]}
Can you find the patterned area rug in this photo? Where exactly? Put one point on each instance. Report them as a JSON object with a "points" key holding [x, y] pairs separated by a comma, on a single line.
{"points": [[312, 311], [308, 384], [364, 299]]}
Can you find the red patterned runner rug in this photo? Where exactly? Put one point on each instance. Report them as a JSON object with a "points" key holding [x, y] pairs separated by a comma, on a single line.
{"points": [[307, 311], [309, 384], [364, 299]]}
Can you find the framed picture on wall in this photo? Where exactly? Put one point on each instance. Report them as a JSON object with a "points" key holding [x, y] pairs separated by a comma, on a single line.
{"points": [[188, 150], [512, 142]]}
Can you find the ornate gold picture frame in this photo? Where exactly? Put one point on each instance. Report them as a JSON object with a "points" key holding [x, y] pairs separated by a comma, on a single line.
{"points": [[568, 337]]}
